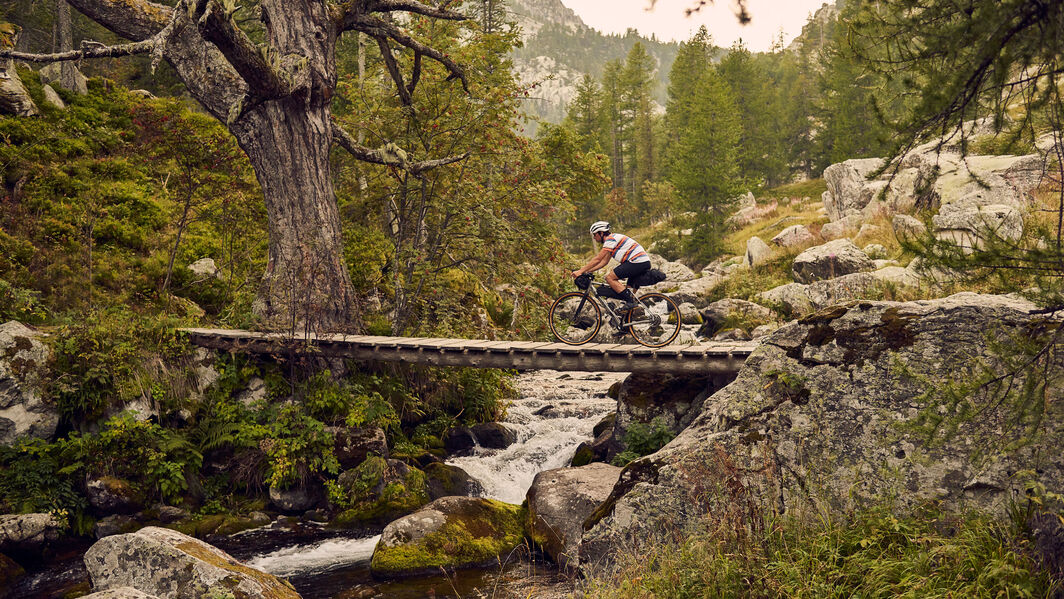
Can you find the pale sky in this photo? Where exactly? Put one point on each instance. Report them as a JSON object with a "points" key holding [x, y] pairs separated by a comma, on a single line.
{"points": [[668, 21]]}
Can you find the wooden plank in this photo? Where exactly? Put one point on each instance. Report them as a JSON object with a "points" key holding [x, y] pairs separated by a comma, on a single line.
{"points": [[453, 344], [527, 346]]}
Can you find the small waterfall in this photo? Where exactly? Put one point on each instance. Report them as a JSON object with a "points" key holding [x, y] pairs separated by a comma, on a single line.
{"points": [[554, 412]]}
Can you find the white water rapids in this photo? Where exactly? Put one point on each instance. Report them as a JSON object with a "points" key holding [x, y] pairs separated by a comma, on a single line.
{"points": [[553, 414]]}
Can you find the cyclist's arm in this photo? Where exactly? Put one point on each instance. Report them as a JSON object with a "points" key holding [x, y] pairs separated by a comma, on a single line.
{"points": [[600, 260]]}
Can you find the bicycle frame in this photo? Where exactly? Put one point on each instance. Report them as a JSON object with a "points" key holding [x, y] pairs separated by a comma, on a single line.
{"points": [[616, 320]]}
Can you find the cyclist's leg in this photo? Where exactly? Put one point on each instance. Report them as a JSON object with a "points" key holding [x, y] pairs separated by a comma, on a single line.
{"points": [[625, 271], [614, 281]]}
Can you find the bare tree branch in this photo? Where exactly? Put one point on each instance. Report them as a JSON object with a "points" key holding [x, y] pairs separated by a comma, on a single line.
{"points": [[379, 28], [89, 49], [135, 20], [388, 155], [393, 69], [413, 6]]}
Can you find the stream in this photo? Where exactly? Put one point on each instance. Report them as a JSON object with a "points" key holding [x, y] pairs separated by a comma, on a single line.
{"points": [[554, 412]]}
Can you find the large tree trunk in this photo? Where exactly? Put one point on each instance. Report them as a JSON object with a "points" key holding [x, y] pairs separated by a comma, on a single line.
{"points": [[306, 285]]}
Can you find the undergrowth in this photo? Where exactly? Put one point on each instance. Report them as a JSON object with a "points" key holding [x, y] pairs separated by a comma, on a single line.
{"points": [[876, 554]]}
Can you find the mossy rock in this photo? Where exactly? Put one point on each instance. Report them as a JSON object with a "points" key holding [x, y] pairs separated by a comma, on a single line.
{"points": [[445, 480], [9, 571], [215, 524], [584, 455], [451, 532], [379, 491]]}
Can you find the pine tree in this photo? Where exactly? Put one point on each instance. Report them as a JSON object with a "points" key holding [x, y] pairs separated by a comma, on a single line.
{"points": [[692, 62], [637, 83], [704, 165], [613, 115], [585, 114]]}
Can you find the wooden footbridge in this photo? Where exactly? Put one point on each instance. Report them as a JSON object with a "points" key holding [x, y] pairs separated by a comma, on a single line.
{"points": [[714, 358]]}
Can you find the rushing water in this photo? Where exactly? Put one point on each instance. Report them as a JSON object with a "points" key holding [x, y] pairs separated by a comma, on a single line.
{"points": [[552, 415]]}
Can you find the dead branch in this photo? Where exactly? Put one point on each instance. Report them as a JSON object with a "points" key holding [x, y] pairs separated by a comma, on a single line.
{"points": [[438, 12], [388, 155], [379, 28]]}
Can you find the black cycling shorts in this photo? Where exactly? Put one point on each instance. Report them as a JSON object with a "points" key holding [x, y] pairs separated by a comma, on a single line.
{"points": [[630, 269]]}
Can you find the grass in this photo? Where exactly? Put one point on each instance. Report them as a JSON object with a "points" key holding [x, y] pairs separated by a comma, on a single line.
{"points": [[875, 554], [812, 189], [784, 216]]}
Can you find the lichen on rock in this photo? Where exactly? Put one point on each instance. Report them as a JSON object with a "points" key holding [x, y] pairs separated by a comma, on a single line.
{"points": [[825, 418]]}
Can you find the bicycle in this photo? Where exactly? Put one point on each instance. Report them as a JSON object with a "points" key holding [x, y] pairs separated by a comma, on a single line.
{"points": [[576, 317]]}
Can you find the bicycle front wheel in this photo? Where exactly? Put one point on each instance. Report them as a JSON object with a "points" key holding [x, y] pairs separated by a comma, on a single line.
{"points": [[575, 318], [656, 322]]}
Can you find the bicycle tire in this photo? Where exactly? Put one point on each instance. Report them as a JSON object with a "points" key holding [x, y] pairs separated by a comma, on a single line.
{"points": [[656, 322], [574, 319]]}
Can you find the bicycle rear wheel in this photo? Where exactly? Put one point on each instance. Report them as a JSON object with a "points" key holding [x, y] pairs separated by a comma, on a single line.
{"points": [[574, 318], [656, 322]]}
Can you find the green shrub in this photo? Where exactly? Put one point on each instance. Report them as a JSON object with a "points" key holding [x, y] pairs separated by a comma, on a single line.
{"points": [[877, 554], [644, 439], [105, 360]]}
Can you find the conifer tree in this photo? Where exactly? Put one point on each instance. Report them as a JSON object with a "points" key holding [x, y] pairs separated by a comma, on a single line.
{"points": [[637, 81], [703, 163]]}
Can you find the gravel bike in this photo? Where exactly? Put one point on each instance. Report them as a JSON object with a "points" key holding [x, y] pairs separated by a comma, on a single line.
{"points": [[576, 317]]}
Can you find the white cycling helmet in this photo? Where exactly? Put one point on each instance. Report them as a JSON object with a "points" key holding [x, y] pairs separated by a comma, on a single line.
{"points": [[600, 226]]}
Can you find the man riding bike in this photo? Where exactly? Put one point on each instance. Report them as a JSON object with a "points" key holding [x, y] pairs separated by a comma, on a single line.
{"points": [[633, 258]]}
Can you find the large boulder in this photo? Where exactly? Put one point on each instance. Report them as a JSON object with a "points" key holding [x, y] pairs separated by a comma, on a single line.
{"points": [[445, 480], [731, 312], [757, 252], [166, 563], [847, 184], [494, 435], [696, 291], [675, 272], [847, 287], [28, 532], [14, 97], [844, 227], [832, 413], [833, 259], [971, 226], [108, 494], [378, 491], [558, 503], [298, 498], [975, 181], [120, 593], [793, 236], [908, 228], [24, 411], [65, 75], [675, 400], [791, 298], [453, 532]]}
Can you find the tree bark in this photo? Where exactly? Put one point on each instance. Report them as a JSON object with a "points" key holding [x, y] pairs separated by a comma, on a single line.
{"points": [[306, 286], [63, 40]]}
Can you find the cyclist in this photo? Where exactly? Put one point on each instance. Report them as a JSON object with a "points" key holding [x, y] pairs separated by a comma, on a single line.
{"points": [[633, 258]]}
